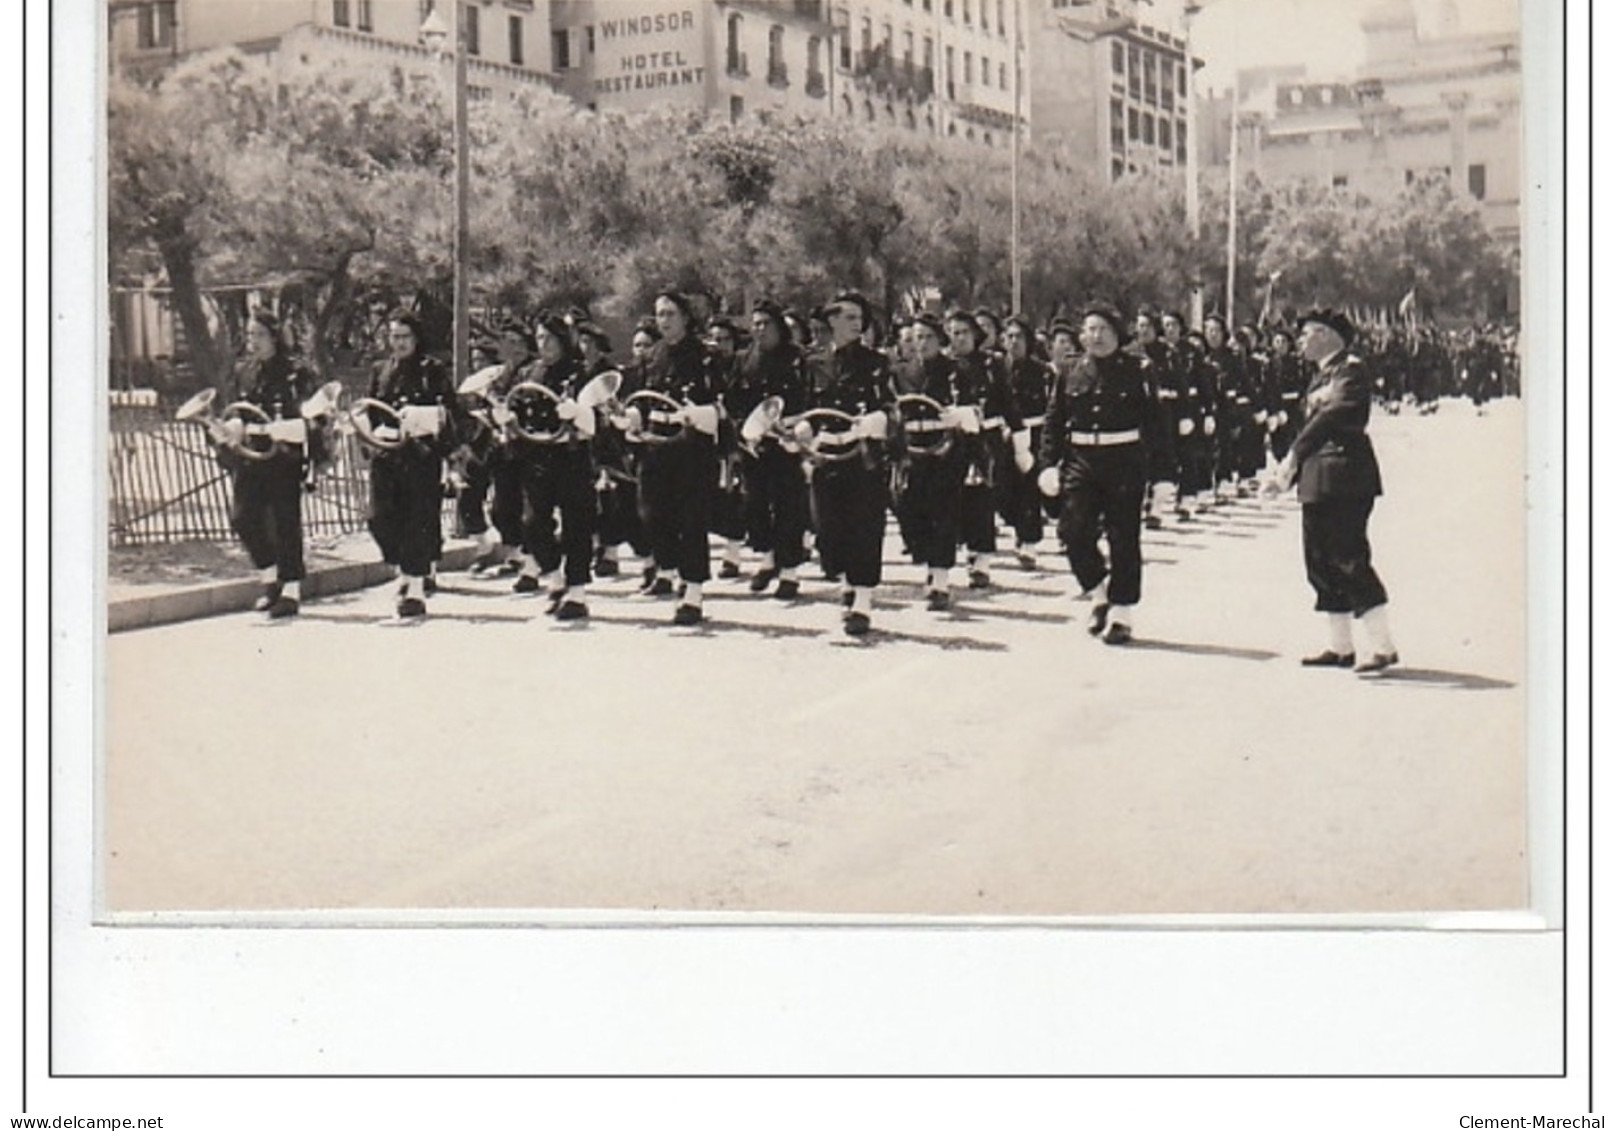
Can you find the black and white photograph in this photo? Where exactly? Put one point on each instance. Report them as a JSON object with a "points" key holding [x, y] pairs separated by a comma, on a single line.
{"points": [[933, 465]]}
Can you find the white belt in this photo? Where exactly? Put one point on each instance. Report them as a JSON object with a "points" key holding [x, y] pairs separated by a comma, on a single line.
{"points": [[1033, 422], [1290, 396], [281, 431], [657, 416], [993, 422], [926, 426], [1104, 439], [837, 439], [1168, 394]]}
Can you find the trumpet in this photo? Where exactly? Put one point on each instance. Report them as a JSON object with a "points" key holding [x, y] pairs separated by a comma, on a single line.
{"points": [[242, 426]]}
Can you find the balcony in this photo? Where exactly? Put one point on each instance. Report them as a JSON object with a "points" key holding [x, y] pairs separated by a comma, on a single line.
{"points": [[876, 69], [777, 74]]}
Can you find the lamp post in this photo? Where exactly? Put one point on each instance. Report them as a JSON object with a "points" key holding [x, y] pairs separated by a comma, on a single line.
{"points": [[1192, 160], [1015, 176], [435, 35]]}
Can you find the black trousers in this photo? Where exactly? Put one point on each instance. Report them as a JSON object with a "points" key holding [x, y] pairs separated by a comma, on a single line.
{"points": [[977, 529], [676, 485], [728, 499], [406, 501], [776, 504], [501, 479], [559, 480], [850, 500], [1103, 490], [931, 508], [266, 512], [1334, 542]]}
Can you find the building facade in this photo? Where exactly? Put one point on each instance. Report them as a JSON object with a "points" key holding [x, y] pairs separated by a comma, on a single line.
{"points": [[507, 41], [1445, 105]]}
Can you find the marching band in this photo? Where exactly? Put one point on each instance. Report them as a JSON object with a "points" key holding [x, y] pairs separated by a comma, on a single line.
{"points": [[799, 436]]}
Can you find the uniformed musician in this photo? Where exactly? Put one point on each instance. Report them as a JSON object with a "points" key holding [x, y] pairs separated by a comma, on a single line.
{"points": [[1148, 346], [1337, 476], [1093, 456], [723, 340], [850, 494], [986, 415], [266, 496], [775, 488], [405, 482], [677, 477], [1030, 381], [488, 469], [1284, 387]]}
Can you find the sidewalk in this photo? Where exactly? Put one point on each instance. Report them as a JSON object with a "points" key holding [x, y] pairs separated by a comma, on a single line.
{"points": [[335, 565]]}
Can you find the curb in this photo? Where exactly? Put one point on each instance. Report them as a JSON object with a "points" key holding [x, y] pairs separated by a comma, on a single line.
{"points": [[220, 597]]}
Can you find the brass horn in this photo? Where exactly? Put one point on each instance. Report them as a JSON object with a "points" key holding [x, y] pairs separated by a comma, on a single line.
{"points": [[826, 423], [926, 429], [526, 401], [231, 427], [386, 436], [601, 391], [653, 417], [326, 401]]}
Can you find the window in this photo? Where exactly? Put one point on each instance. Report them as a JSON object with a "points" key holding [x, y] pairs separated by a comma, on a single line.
{"points": [[473, 29], [1340, 180], [340, 16], [1000, 18], [926, 4], [1118, 58], [964, 11], [561, 49], [588, 38], [1183, 79], [845, 34], [367, 18], [518, 57], [1118, 126], [1149, 79], [737, 107], [1132, 124], [969, 68], [1168, 81], [1116, 169], [1326, 96], [1477, 181], [947, 57], [815, 69], [155, 25], [908, 51], [776, 56], [735, 58], [1166, 135], [947, 8], [1134, 73], [1003, 77], [1149, 129], [866, 37], [930, 54]]}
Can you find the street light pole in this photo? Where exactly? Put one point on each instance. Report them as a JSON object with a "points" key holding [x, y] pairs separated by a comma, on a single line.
{"points": [[438, 37], [1192, 161], [1233, 197], [1015, 177]]}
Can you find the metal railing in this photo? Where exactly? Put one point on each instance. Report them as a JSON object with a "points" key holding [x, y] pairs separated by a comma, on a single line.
{"points": [[165, 485]]}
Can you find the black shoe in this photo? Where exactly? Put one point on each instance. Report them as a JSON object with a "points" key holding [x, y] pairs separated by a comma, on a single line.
{"points": [[510, 568], [1330, 659], [1097, 618], [429, 584], [661, 587], [979, 579], [282, 607], [846, 599], [687, 615], [267, 598], [856, 624], [1152, 522], [556, 600], [729, 570], [937, 600], [486, 565], [1117, 633], [411, 608], [788, 589], [526, 583], [762, 579], [572, 609], [1378, 662], [606, 567]]}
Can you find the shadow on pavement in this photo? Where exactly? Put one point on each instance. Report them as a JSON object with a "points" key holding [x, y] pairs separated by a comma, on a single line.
{"points": [[965, 613], [1448, 681], [1260, 655], [711, 627], [879, 636]]}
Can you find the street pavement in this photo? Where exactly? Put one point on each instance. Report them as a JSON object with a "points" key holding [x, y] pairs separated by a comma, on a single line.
{"points": [[990, 761]]}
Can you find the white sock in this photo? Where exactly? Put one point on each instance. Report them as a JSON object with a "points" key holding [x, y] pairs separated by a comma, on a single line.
{"points": [[529, 566], [608, 554], [863, 599], [667, 574], [292, 589], [788, 573], [485, 541], [268, 575], [1377, 624], [1122, 615], [513, 553], [768, 559], [1101, 592], [938, 579], [1340, 634], [731, 551], [414, 586], [692, 593], [552, 582]]}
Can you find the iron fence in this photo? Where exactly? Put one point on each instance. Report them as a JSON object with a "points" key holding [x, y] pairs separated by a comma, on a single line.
{"points": [[166, 485]]}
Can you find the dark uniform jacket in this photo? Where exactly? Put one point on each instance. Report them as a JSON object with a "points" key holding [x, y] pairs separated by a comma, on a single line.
{"points": [[1029, 383], [1097, 395], [767, 373], [279, 386], [680, 370], [1332, 452], [419, 380], [857, 380]]}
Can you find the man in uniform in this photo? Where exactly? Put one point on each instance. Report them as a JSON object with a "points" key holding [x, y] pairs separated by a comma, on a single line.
{"points": [[1332, 463], [1095, 431], [1030, 381], [850, 493], [405, 482]]}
